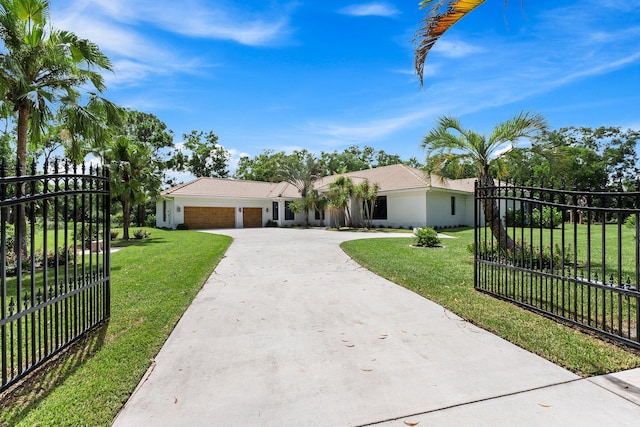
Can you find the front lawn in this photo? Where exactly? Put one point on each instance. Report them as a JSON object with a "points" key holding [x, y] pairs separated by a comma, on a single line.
{"points": [[445, 276], [153, 282]]}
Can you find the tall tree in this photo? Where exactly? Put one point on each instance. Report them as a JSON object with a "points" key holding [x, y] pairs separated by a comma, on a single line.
{"points": [[206, 157], [263, 167], [449, 137], [41, 68], [367, 193], [147, 129], [132, 172], [301, 169], [340, 194]]}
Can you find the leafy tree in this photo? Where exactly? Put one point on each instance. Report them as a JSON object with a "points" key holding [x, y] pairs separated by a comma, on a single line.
{"points": [[132, 172], [451, 166], [147, 129], [582, 158], [301, 169], [206, 158], [616, 148], [263, 167], [449, 137], [42, 67]]}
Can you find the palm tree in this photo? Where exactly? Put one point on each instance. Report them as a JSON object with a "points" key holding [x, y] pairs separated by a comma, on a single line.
{"points": [[41, 67], [301, 169], [131, 172], [367, 193], [340, 193], [442, 16], [449, 137]]}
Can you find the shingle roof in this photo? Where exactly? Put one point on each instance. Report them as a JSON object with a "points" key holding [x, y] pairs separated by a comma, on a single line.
{"points": [[389, 178], [219, 187]]}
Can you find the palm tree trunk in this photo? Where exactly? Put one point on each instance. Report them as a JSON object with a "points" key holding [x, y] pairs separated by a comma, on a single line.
{"points": [[126, 218], [20, 219], [492, 218]]}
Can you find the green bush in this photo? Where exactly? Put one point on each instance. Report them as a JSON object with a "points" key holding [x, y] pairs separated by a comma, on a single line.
{"points": [[546, 217], [150, 220], [182, 227], [427, 237], [630, 221], [117, 220], [114, 234], [271, 223], [141, 234]]}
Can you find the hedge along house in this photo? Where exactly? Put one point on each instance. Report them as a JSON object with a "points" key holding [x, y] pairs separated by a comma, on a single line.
{"points": [[407, 197]]}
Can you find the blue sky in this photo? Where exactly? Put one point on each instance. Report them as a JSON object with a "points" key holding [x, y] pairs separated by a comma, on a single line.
{"points": [[325, 75]]}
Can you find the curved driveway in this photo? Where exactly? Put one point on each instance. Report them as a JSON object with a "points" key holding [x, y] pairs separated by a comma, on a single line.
{"points": [[289, 331]]}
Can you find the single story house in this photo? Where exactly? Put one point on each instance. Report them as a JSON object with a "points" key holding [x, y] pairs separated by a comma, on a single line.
{"points": [[407, 197]]}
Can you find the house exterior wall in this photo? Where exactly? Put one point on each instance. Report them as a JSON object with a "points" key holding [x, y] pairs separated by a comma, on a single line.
{"points": [[405, 209], [164, 213], [439, 209], [175, 208]]}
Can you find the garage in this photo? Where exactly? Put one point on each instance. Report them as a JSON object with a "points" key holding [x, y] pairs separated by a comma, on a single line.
{"points": [[197, 217], [252, 217]]}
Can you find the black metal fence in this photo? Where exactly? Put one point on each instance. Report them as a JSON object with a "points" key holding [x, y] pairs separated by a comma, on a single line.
{"points": [[54, 243], [569, 254]]}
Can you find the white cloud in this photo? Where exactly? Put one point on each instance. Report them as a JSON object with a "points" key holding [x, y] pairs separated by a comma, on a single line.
{"points": [[196, 18], [455, 49], [370, 9]]}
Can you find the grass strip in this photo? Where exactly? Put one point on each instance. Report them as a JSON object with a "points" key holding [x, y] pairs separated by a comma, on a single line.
{"points": [[445, 276], [153, 282]]}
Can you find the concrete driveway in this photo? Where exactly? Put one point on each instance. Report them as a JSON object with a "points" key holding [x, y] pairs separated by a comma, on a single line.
{"points": [[289, 331]]}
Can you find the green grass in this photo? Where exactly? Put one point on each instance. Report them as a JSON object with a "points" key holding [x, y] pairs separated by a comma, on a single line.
{"points": [[153, 282], [445, 275]]}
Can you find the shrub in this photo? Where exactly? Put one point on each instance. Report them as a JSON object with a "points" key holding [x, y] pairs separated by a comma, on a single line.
{"points": [[114, 234], [61, 258], [117, 220], [630, 221], [141, 234], [271, 223], [182, 227], [546, 217], [150, 220], [427, 237]]}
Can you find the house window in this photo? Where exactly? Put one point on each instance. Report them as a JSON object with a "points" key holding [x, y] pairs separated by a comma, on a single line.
{"points": [[164, 211], [380, 208], [453, 206], [274, 209], [288, 213]]}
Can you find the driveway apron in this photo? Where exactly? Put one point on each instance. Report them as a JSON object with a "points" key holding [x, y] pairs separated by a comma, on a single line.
{"points": [[289, 331]]}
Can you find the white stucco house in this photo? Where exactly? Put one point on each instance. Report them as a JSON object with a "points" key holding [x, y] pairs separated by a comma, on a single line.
{"points": [[407, 197]]}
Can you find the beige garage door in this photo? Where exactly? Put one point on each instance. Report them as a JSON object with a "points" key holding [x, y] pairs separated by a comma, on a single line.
{"points": [[251, 217], [199, 217]]}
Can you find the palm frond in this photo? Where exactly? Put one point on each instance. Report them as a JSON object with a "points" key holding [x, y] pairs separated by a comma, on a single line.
{"points": [[442, 16]]}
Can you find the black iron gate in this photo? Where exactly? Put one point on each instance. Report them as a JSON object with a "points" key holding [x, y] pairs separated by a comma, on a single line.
{"points": [[569, 254], [54, 243]]}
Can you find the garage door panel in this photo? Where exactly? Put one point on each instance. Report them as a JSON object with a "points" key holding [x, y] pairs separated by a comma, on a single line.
{"points": [[197, 217], [252, 217]]}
